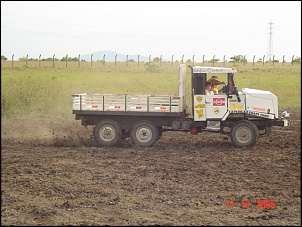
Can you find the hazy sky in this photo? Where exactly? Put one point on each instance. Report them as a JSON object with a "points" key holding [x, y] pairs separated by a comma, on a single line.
{"points": [[151, 28]]}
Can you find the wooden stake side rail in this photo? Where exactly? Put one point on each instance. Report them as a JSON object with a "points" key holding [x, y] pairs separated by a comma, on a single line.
{"points": [[123, 102]]}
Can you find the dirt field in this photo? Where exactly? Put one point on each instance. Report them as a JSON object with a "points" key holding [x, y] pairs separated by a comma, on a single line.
{"points": [[52, 173]]}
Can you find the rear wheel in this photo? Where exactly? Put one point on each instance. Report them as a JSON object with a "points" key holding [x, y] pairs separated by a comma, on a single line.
{"points": [[144, 133], [244, 134], [107, 133]]}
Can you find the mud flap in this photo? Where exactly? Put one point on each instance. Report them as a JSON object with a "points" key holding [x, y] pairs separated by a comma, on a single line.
{"points": [[268, 130]]}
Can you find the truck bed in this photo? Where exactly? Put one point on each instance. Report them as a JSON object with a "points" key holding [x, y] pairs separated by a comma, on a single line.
{"points": [[117, 104]]}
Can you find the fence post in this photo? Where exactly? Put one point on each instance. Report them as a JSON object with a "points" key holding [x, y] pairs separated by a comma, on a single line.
{"points": [[263, 59], [26, 60], [254, 60], [213, 59], [53, 60], [193, 59], [138, 60], [293, 60], [127, 60], [66, 59], [283, 60], [182, 59], [273, 60], [115, 60], [203, 59], [244, 60], [79, 60], [150, 58], [160, 60], [13, 61], [172, 59], [104, 60], [224, 60], [40, 61], [91, 60]]}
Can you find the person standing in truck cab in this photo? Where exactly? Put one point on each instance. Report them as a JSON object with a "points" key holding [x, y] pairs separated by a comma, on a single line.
{"points": [[209, 89], [215, 82]]}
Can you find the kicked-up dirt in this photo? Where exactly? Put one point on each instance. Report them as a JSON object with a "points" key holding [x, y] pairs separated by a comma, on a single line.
{"points": [[52, 173]]}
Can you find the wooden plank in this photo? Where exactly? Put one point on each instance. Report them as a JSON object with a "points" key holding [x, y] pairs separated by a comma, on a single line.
{"points": [[121, 102]]}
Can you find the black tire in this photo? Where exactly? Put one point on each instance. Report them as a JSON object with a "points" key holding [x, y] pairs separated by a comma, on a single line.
{"points": [[144, 133], [107, 133], [244, 134]]}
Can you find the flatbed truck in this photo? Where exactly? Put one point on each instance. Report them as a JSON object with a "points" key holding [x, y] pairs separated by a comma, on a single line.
{"points": [[244, 115]]}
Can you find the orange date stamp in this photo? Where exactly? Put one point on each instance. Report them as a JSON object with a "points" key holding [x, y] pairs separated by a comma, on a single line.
{"points": [[246, 204]]}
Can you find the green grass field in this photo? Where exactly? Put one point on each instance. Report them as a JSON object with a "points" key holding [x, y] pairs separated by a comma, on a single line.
{"points": [[33, 91]]}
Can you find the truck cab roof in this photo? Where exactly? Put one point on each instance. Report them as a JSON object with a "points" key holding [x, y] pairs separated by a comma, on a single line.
{"points": [[207, 69]]}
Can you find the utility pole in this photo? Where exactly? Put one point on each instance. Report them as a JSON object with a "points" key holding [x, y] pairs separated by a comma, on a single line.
{"points": [[270, 51]]}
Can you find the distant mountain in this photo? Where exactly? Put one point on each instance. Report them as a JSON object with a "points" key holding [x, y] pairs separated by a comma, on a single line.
{"points": [[110, 57]]}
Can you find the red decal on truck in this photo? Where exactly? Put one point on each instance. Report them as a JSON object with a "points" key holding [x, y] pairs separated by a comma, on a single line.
{"points": [[258, 109], [218, 101]]}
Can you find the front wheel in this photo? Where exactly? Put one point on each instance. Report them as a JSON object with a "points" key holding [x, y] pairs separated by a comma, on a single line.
{"points": [[244, 134], [107, 133], [144, 133]]}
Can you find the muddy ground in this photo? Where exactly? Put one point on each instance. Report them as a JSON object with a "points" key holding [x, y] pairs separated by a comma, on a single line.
{"points": [[52, 173]]}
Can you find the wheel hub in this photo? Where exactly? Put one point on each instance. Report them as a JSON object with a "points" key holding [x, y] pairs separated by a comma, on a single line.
{"points": [[107, 133], [243, 134], [144, 134]]}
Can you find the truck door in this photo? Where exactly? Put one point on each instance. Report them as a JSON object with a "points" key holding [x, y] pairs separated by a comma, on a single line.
{"points": [[216, 106], [206, 107], [198, 96]]}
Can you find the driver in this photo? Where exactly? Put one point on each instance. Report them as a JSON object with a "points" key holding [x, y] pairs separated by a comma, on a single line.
{"points": [[215, 82]]}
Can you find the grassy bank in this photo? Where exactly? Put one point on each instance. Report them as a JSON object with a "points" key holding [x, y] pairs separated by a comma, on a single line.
{"points": [[46, 91]]}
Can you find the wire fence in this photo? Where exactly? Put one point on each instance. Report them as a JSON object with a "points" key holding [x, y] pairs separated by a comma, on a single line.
{"points": [[77, 62]]}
